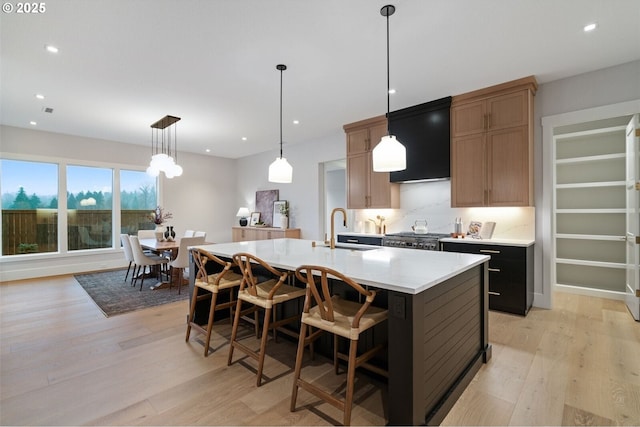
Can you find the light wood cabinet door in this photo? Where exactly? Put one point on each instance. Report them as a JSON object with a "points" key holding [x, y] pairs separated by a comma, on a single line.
{"points": [[508, 157], [468, 171], [366, 188], [380, 188], [468, 119], [492, 146]]}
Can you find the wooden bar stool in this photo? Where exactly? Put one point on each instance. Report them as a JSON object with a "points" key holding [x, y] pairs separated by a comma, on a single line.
{"points": [[340, 317], [266, 295], [214, 283]]}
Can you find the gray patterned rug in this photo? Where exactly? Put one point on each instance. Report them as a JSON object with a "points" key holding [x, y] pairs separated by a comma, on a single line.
{"points": [[115, 296]]}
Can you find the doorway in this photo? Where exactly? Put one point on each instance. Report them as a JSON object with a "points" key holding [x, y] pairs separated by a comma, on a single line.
{"points": [[335, 193]]}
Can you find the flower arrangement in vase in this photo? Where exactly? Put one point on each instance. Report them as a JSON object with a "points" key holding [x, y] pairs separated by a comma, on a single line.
{"points": [[159, 216]]}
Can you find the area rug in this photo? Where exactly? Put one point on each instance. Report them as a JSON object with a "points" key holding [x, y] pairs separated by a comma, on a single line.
{"points": [[115, 296]]}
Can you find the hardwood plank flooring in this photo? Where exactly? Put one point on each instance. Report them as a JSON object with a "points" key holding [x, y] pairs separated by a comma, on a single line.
{"points": [[63, 363]]}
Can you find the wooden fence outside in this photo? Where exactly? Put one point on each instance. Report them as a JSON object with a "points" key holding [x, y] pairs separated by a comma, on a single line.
{"points": [[36, 230]]}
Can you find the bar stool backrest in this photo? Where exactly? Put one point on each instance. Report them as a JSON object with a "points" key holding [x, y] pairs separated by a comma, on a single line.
{"points": [[250, 281]]}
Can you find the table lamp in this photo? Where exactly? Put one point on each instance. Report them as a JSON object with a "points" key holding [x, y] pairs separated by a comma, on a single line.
{"points": [[243, 213]]}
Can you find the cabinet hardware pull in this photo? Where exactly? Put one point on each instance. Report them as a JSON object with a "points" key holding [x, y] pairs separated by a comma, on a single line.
{"points": [[494, 293], [495, 270], [488, 121], [489, 251], [353, 241]]}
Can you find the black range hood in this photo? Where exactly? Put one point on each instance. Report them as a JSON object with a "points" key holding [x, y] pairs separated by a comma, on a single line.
{"points": [[424, 130]]}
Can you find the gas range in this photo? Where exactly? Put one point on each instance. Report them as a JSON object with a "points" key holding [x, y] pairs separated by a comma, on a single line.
{"points": [[411, 240]]}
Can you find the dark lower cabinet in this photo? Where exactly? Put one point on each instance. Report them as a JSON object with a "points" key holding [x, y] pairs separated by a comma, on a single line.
{"points": [[510, 274]]}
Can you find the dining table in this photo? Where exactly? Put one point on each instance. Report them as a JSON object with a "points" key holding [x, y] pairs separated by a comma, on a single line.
{"points": [[160, 247]]}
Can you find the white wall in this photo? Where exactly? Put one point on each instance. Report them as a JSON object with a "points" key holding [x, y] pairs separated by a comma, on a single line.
{"points": [[305, 199]]}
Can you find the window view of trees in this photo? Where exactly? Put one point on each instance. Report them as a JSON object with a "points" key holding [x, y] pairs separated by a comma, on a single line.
{"points": [[30, 197]]}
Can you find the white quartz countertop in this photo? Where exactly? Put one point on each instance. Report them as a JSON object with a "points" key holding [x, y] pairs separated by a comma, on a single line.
{"points": [[402, 270], [501, 242]]}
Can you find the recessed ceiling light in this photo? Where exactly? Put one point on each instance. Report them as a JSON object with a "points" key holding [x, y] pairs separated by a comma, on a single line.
{"points": [[207, 150], [51, 48], [392, 91], [296, 122], [590, 27], [32, 123], [39, 96], [244, 138]]}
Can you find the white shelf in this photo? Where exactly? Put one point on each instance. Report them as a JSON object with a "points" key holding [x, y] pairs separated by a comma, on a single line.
{"points": [[589, 198], [590, 237], [592, 184], [593, 211], [590, 263], [588, 159]]}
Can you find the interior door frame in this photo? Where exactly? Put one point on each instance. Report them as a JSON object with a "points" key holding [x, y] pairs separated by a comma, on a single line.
{"points": [[549, 123], [632, 285]]}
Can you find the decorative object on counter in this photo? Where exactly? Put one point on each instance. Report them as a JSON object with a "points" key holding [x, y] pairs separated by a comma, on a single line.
{"points": [[169, 234], [378, 222], [420, 226], [478, 230], [164, 154], [389, 155], [281, 214], [474, 229], [255, 218], [280, 170], [486, 232], [457, 228], [264, 204], [159, 216], [243, 213]]}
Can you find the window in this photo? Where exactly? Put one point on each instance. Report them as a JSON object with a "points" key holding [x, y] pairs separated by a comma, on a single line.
{"points": [[100, 203], [89, 207], [138, 197], [29, 207]]}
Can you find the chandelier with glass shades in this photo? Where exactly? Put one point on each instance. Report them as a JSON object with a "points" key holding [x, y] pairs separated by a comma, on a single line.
{"points": [[280, 170], [164, 148]]}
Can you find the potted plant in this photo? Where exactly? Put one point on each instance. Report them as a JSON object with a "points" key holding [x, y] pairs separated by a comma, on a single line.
{"points": [[284, 216]]}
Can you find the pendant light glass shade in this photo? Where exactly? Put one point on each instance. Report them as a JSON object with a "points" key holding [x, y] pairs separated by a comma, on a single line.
{"points": [[389, 155], [280, 170]]}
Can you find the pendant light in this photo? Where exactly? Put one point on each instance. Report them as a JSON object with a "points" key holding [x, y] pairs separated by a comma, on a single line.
{"points": [[389, 155], [280, 170]]}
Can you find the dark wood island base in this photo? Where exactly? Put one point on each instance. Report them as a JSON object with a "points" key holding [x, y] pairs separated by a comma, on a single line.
{"points": [[438, 340]]}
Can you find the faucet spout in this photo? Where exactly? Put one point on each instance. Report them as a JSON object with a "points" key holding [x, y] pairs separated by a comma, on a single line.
{"points": [[332, 243]]}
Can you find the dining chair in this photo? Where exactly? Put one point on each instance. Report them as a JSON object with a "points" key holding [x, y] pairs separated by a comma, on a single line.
{"points": [[343, 318], [202, 234], [265, 294], [142, 261], [189, 233], [181, 262], [128, 255], [208, 285]]}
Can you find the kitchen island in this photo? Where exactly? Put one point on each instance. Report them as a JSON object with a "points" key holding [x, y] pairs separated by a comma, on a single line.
{"points": [[437, 330]]}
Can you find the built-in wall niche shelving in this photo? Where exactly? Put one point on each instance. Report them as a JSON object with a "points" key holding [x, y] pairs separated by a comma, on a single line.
{"points": [[589, 209]]}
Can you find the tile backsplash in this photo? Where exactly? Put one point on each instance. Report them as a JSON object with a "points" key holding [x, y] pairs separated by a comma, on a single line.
{"points": [[431, 201]]}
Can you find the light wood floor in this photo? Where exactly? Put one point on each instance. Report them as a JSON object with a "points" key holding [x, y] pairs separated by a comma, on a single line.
{"points": [[63, 363]]}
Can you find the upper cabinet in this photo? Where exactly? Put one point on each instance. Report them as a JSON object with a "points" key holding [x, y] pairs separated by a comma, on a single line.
{"points": [[492, 145], [366, 188]]}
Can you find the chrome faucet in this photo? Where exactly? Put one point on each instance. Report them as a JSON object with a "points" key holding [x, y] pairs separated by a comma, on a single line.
{"points": [[332, 242]]}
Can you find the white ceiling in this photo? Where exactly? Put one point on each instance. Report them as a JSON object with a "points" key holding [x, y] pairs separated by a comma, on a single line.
{"points": [[124, 64]]}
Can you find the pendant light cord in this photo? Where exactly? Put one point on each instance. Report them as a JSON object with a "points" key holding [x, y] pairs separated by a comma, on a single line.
{"points": [[388, 80], [281, 70]]}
